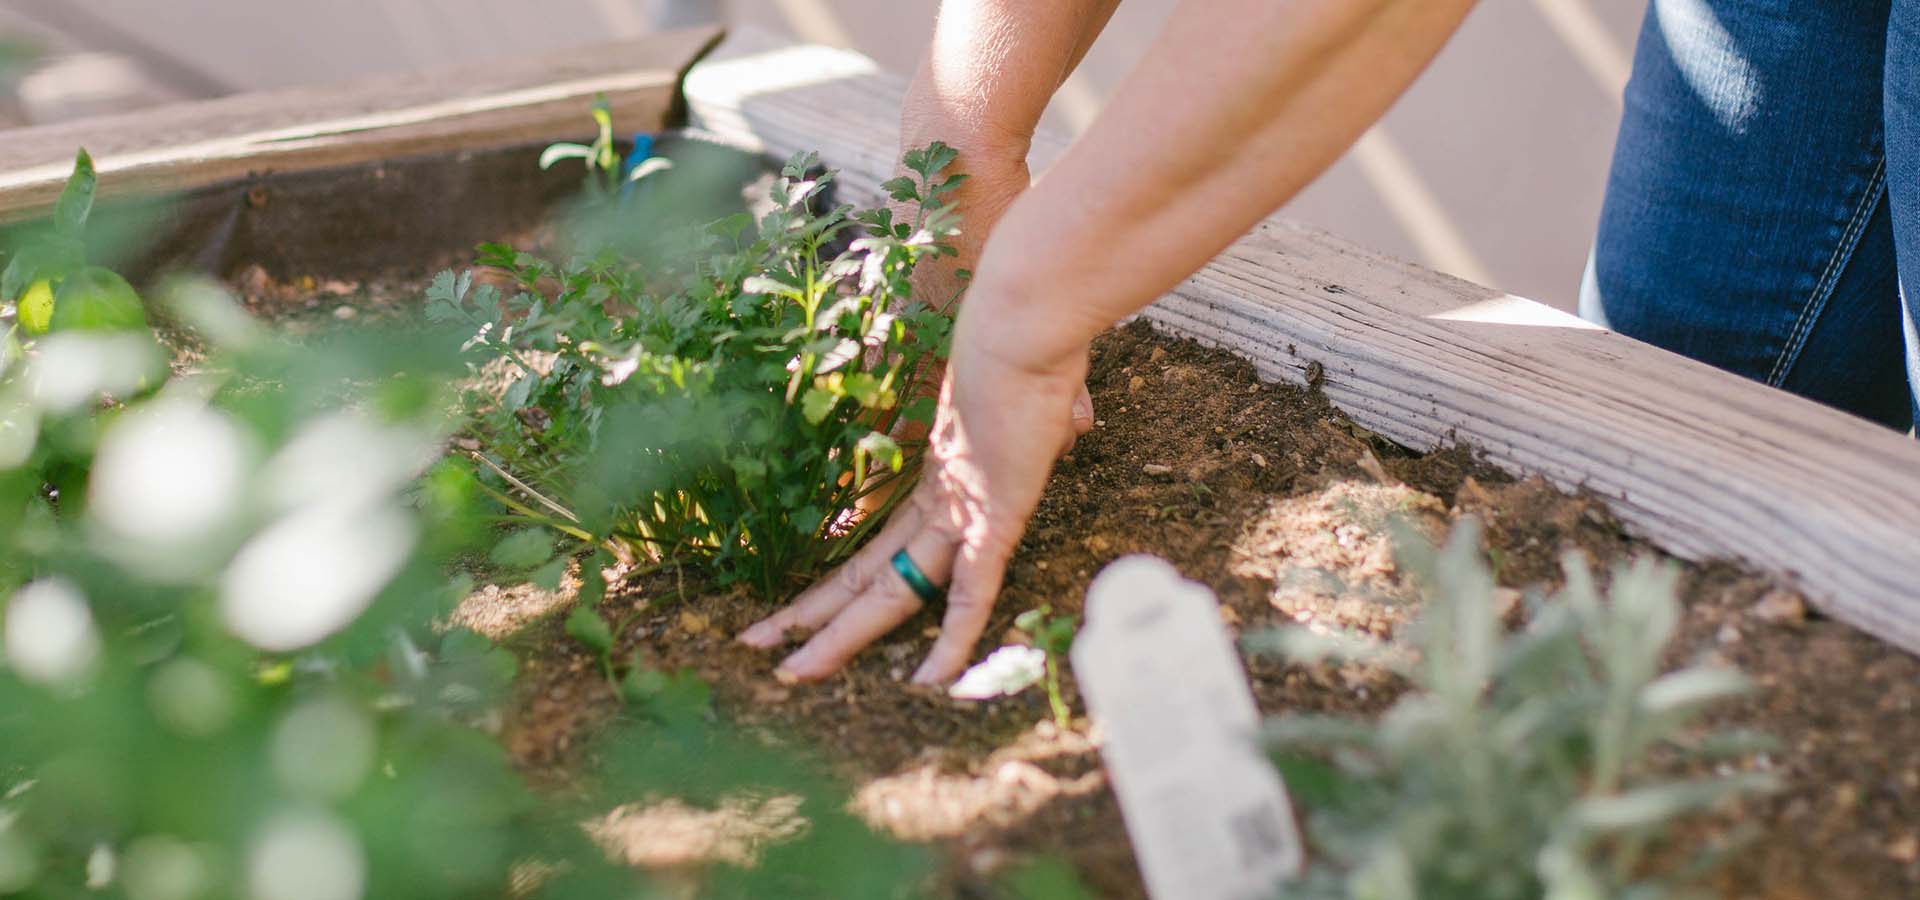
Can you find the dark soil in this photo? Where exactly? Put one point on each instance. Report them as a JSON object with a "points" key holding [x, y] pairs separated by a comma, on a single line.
{"points": [[1279, 503]]}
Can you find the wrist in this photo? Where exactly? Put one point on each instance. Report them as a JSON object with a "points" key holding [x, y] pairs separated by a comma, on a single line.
{"points": [[1023, 325], [987, 147]]}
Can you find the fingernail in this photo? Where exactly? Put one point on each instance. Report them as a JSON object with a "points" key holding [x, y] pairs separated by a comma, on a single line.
{"points": [[755, 636], [791, 667]]}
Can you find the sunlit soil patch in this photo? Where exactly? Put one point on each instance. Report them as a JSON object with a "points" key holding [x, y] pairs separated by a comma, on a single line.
{"points": [[1329, 554], [930, 801], [500, 611], [670, 834]]}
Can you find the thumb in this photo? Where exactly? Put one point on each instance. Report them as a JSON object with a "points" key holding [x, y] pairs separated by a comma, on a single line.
{"points": [[1082, 411]]}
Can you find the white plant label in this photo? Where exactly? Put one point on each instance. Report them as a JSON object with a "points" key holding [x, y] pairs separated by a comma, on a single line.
{"points": [[1207, 813]]}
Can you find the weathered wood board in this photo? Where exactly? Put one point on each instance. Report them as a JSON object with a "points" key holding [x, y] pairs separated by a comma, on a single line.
{"points": [[1704, 463], [188, 145]]}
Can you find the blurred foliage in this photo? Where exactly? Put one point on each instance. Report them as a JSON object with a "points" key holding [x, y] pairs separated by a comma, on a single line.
{"points": [[750, 371], [221, 674], [1517, 766]]}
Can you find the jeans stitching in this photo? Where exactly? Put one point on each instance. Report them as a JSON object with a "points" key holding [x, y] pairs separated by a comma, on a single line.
{"points": [[1829, 278]]}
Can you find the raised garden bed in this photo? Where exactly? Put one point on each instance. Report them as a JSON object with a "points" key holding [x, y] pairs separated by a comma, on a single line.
{"points": [[1268, 493], [1280, 503]]}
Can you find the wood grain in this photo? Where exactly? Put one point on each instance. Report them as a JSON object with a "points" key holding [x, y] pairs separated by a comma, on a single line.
{"points": [[189, 145], [1702, 462]]}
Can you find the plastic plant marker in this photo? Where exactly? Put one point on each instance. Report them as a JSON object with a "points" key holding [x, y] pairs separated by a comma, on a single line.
{"points": [[1207, 813]]}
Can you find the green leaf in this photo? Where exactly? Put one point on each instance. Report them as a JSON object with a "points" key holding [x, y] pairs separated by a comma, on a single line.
{"points": [[76, 199], [1312, 782], [549, 576], [1046, 878], [1056, 637], [593, 587], [676, 698], [523, 549], [864, 388], [878, 447], [518, 392], [816, 405], [648, 167], [586, 626], [35, 309], [1692, 689], [764, 284], [1652, 806], [901, 189], [97, 299], [750, 469], [48, 255], [1030, 620], [920, 409], [562, 151], [799, 164], [939, 156]]}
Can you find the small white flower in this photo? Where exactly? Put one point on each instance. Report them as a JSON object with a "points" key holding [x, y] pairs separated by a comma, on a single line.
{"points": [[324, 749], [1005, 672], [50, 635], [169, 473], [346, 459], [68, 371], [312, 573], [306, 855], [158, 867], [19, 429]]}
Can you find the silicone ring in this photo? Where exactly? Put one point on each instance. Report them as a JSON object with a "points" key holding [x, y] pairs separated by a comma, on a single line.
{"points": [[916, 579]]}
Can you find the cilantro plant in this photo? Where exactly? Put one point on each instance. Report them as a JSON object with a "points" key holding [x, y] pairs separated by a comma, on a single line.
{"points": [[1518, 766], [727, 404]]}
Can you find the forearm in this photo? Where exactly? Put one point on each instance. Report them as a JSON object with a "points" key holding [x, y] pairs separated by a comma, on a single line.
{"points": [[1215, 129], [991, 69], [988, 75]]}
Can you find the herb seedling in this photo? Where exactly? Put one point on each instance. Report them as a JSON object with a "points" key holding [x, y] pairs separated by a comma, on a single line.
{"points": [[1518, 766], [728, 404], [1016, 667], [607, 173], [668, 697], [1053, 635]]}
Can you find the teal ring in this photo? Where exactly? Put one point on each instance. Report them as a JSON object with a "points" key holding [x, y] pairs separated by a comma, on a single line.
{"points": [[916, 579]]}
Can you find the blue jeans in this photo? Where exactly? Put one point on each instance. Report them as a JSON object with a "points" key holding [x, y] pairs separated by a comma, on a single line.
{"points": [[1765, 197]]}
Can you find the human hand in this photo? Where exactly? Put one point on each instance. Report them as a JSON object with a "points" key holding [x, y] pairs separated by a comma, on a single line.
{"points": [[1000, 423], [997, 173]]}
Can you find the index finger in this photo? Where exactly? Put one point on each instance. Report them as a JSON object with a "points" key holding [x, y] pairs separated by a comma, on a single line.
{"points": [[977, 575], [818, 604]]}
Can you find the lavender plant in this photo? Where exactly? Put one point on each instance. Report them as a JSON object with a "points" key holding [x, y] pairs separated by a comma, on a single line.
{"points": [[1517, 766]]}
